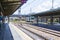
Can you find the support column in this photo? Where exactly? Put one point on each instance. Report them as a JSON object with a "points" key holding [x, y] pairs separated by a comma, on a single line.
{"points": [[8, 19], [41, 19], [37, 19], [3, 20], [29, 18], [51, 20], [46, 20], [59, 19]]}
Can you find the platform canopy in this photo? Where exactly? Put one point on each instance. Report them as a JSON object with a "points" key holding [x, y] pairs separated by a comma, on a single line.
{"points": [[51, 12], [7, 7]]}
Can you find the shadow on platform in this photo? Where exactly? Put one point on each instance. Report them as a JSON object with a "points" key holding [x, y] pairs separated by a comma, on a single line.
{"points": [[5, 33]]}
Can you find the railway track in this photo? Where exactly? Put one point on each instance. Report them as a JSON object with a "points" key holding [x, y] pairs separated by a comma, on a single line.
{"points": [[56, 33], [28, 27], [31, 34]]}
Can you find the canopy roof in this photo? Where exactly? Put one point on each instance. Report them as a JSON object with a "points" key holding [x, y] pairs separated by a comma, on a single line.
{"points": [[7, 7], [48, 13]]}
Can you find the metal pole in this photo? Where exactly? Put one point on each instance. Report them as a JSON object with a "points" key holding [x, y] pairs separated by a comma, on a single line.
{"points": [[19, 13], [59, 19], [1, 8], [8, 19], [37, 19], [51, 21], [52, 4], [46, 20], [29, 18]]}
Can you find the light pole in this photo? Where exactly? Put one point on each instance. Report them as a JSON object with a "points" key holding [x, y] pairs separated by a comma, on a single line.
{"points": [[19, 11], [51, 17], [52, 4]]}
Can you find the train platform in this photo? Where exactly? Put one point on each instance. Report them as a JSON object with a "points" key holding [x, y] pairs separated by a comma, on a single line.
{"points": [[5, 33], [18, 31], [11, 32], [8, 34], [39, 32], [55, 27], [13, 12]]}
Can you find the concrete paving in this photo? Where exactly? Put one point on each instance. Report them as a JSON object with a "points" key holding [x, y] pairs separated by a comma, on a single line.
{"points": [[5, 33], [8, 33]]}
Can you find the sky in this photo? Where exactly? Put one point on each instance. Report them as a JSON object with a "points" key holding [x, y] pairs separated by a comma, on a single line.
{"points": [[36, 6]]}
